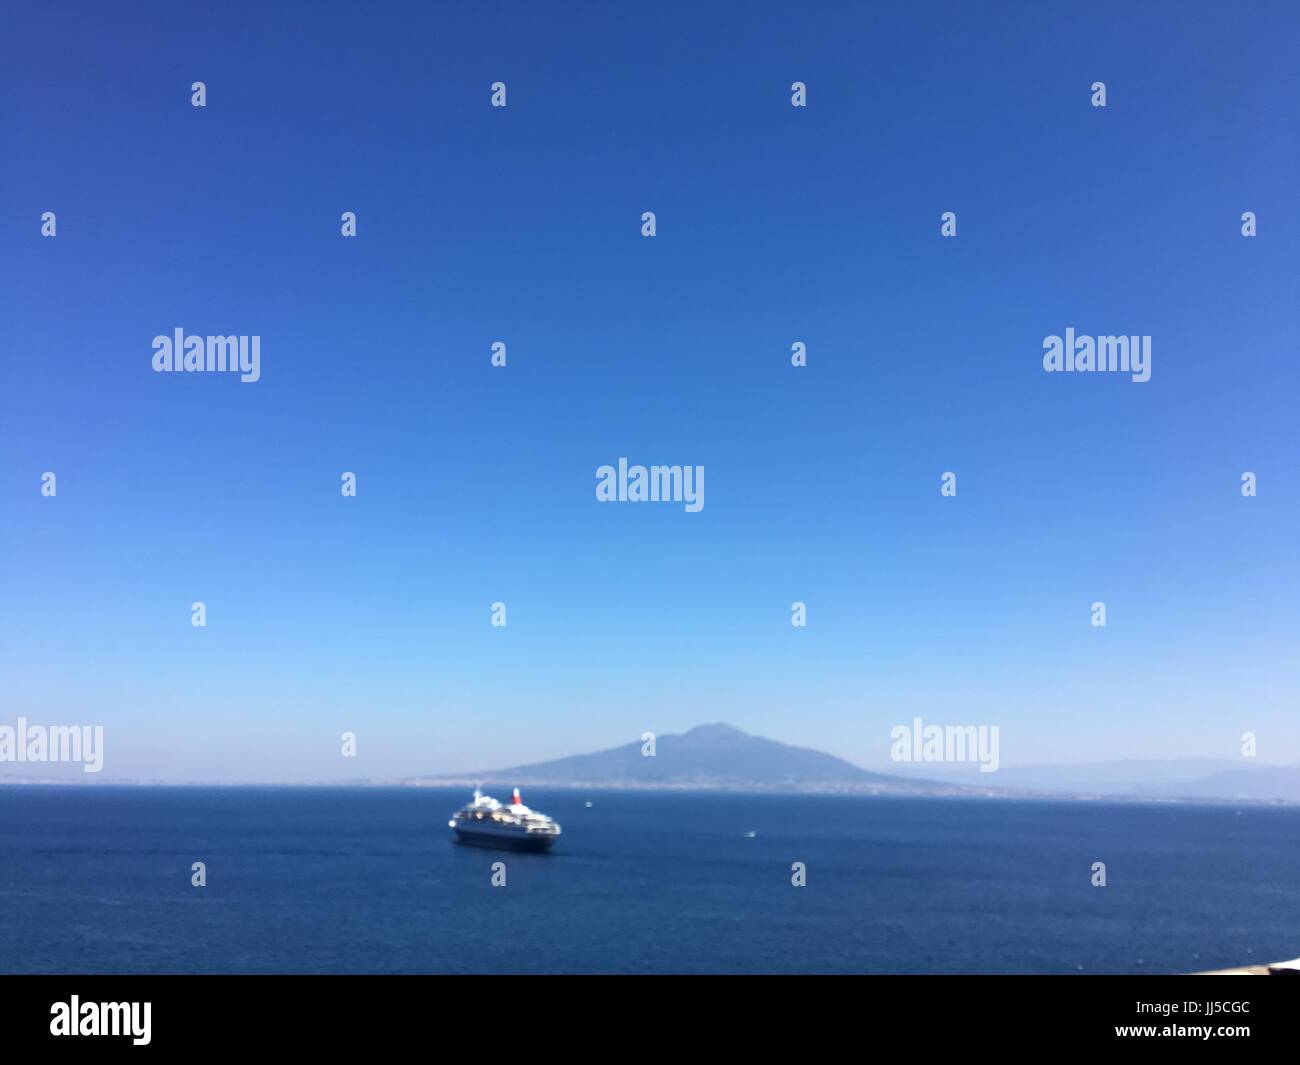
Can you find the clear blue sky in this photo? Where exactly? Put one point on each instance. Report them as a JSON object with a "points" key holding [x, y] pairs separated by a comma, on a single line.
{"points": [[522, 224]]}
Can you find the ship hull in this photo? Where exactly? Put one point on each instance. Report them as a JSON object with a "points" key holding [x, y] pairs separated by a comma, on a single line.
{"points": [[503, 841]]}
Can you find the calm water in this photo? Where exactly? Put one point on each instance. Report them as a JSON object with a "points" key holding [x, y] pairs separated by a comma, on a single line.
{"points": [[343, 880]]}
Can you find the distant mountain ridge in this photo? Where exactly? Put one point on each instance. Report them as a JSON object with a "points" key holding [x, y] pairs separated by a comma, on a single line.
{"points": [[709, 756], [720, 756], [1267, 783], [1216, 779]]}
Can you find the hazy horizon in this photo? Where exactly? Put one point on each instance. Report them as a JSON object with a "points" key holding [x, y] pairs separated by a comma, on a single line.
{"points": [[938, 772]]}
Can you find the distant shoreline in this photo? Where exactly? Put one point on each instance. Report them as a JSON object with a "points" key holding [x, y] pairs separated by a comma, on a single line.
{"points": [[684, 788]]}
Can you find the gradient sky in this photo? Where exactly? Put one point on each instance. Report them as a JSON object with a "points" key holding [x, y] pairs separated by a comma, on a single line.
{"points": [[522, 224]]}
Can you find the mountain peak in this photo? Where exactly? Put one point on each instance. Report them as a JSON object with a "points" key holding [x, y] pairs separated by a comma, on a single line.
{"points": [[720, 730], [715, 755]]}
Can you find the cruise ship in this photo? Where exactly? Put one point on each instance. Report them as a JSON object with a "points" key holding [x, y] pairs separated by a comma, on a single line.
{"points": [[487, 823]]}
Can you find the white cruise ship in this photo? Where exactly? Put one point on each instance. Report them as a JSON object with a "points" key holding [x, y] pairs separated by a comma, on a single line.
{"points": [[487, 823]]}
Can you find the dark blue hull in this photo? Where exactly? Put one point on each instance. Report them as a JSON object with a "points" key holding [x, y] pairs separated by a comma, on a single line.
{"points": [[505, 843]]}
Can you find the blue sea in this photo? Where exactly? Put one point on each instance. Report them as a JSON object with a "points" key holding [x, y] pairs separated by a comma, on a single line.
{"points": [[341, 880]]}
